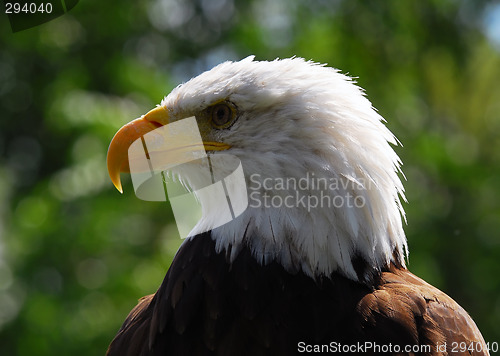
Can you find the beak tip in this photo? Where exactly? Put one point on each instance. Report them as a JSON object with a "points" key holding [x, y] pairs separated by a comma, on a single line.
{"points": [[117, 158], [118, 185], [115, 179]]}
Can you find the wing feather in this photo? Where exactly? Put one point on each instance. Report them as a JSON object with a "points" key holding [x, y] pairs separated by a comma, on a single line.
{"points": [[207, 305]]}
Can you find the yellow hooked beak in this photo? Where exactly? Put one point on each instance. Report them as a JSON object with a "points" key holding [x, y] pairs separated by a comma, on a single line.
{"points": [[118, 160]]}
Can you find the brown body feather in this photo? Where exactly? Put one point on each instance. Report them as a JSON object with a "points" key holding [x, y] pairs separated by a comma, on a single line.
{"points": [[206, 306]]}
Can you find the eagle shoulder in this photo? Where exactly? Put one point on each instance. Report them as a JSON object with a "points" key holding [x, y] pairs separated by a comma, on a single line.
{"points": [[207, 305], [417, 314]]}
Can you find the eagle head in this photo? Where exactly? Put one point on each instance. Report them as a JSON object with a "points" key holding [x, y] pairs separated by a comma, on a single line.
{"points": [[322, 179]]}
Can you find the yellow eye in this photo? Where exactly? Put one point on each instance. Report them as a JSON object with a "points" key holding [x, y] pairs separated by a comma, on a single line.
{"points": [[222, 115]]}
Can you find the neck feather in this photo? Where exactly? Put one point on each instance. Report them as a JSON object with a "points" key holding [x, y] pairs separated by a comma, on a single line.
{"points": [[314, 219]]}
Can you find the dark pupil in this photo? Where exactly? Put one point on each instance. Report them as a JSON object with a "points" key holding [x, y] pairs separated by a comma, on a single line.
{"points": [[221, 115]]}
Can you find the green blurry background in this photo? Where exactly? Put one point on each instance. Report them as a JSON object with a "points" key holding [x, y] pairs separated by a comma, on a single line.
{"points": [[75, 255]]}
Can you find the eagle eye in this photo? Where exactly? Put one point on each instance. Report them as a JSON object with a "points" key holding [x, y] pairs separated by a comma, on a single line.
{"points": [[222, 115]]}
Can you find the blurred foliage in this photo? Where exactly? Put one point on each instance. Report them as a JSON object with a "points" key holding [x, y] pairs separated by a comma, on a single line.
{"points": [[75, 255]]}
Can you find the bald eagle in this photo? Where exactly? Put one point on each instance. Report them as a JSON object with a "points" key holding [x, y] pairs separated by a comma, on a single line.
{"points": [[316, 262]]}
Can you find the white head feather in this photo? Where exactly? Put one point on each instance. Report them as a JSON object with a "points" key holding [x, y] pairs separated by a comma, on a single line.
{"points": [[301, 120]]}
